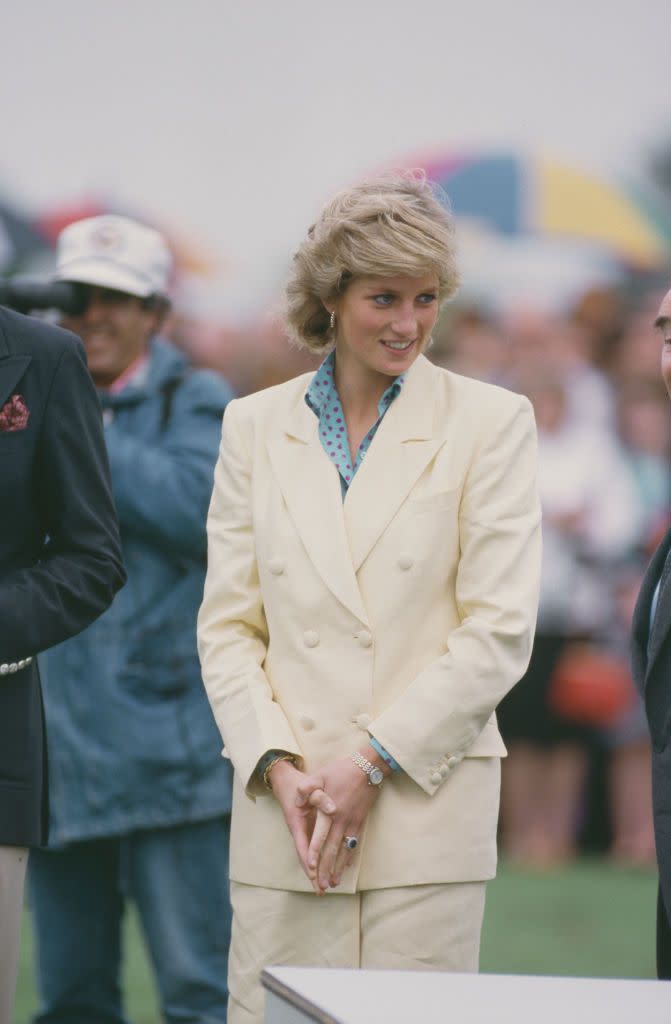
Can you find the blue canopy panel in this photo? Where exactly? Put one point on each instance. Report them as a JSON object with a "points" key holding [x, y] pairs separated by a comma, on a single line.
{"points": [[490, 190]]}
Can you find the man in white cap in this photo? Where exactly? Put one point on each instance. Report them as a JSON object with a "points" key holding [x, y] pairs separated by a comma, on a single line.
{"points": [[140, 794]]}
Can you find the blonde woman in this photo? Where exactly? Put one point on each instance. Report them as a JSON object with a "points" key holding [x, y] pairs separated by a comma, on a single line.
{"points": [[374, 556]]}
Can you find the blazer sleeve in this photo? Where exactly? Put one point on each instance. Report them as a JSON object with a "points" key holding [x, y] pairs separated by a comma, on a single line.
{"points": [[447, 705], [81, 567], [232, 628]]}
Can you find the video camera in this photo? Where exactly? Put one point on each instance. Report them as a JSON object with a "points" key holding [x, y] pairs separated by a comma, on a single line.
{"points": [[25, 294]]}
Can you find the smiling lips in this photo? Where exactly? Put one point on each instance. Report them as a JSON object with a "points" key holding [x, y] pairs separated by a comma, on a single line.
{"points": [[97, 337], [398, 346]]}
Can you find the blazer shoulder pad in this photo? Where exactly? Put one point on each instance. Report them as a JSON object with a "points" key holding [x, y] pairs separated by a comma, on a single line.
{"points": [[481, 396], [27, 335], [276, 398]]}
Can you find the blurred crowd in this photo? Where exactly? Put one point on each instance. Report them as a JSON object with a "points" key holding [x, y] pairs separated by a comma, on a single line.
{"points": [[578, 770], [592, 375]]}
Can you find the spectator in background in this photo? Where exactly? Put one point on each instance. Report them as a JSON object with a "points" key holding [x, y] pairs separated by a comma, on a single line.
{"points": [[635, 355], [591, 522], [470, 343], [541, 341], [60, 566], [140, 793], [599, 312], [643, 428], [627, 742]]}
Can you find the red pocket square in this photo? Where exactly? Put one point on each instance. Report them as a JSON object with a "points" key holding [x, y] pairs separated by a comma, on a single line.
{"points": [[14, 414]]}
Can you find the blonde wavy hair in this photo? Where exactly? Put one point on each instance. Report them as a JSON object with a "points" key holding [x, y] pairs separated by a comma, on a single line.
{"points": [[383, 227]]}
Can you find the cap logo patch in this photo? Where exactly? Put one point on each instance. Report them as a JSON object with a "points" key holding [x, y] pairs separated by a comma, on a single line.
{"points": [[107, 239]]}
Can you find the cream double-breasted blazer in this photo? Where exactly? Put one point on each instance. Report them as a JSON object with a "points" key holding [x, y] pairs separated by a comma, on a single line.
{"points": [[407, 610]]}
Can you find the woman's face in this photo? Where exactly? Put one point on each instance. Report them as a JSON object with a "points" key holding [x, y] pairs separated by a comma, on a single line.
{"points": [[384, 323]]}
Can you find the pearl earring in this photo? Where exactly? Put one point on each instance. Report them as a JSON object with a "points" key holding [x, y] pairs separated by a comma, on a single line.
{"points": [[332, 322]]}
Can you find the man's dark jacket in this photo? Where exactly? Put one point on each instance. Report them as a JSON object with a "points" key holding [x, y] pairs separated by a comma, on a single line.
{"points": [[60, 555], [651, 666]]}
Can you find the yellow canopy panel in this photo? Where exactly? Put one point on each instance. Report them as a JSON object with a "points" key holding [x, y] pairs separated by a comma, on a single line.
{"points": [[572, 203]]}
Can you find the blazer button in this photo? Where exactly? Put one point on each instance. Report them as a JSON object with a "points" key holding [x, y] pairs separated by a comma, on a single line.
{"points": [[364, 638], [310, 638], [276, 566], [362, 721], [436, 778], [453, 761], [405, 562], [444, 771], [307, 723]]}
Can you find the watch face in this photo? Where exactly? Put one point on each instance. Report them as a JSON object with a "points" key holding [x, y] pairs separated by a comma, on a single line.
{"points": [[376, 775]]}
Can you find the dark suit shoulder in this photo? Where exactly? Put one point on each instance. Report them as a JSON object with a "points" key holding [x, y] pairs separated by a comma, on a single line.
{"points": [[26, 335]]}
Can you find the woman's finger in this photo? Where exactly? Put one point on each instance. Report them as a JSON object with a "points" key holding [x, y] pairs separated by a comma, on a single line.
{"points": [[329, 855], [299, 828], [321, 801], [344, 859], [319, 836], [305, 787], [346, 855]]}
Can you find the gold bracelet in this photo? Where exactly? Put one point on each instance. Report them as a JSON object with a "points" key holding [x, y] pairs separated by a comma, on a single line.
{"points": [[271, 764]]}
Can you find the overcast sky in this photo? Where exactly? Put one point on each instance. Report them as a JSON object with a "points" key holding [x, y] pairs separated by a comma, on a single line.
{"points": [[233, 121]]}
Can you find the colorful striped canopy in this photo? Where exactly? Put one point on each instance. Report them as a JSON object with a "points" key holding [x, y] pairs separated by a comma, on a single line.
{"points": [[513, 196]]}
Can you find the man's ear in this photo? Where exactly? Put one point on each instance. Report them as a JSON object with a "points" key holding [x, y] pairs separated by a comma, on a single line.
{"points": [[161, 316], [158, 310]]}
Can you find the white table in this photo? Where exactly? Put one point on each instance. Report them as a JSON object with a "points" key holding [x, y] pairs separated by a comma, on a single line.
{"points": [[303, 995]]}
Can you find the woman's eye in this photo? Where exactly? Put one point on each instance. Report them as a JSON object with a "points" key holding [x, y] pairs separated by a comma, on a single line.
{"points": [[384, 299], [427, 298]]}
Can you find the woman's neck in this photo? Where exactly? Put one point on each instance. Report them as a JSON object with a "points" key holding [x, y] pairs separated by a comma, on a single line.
{"points": [[359, 390]]}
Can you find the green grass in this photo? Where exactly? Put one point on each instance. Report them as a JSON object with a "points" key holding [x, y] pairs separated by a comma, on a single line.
{"points": [[587, 920], [138, 983]]}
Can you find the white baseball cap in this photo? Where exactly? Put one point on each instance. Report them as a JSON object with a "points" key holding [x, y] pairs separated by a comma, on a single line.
{"points": [[114, 252]]}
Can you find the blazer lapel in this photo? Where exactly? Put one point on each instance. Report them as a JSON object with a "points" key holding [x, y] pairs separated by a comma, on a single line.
{"points": [[311, 488], [403, 446], [12, 369], [662, 619]]}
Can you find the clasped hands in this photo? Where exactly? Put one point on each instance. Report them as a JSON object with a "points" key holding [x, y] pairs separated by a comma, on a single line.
{"points": [[320, 810]]}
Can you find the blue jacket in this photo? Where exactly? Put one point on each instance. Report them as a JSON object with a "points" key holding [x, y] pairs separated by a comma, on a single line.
{"points": [[132, 740]]}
